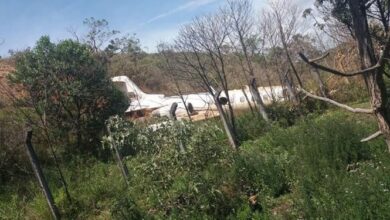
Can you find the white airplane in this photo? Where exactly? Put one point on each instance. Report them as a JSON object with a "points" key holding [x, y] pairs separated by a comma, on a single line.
{"points": [[201, 105]]}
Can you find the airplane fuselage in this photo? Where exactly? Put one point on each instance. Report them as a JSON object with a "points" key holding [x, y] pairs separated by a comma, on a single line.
{"points": [[142, 104]]}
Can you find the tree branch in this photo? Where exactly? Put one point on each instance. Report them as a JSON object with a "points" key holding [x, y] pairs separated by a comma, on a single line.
{"points": [[336, 72], [373, 136], [319, 58], [354, 110]]}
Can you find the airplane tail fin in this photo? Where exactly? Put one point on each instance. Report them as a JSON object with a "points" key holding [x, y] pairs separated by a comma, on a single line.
{"points": [[127, 86]]}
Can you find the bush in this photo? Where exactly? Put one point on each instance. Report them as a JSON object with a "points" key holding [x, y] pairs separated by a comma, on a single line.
{"points": [[70, 87], [329, 168], [287, 114], [250, 126], [317, 168], [334, 163], [180, 171]]}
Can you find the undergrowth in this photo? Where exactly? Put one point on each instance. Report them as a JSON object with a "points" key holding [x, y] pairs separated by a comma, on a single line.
{"points": [[315, 167]]}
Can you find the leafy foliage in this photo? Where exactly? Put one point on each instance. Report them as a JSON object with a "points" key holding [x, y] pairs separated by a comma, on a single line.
{"points": [[70, 89]]}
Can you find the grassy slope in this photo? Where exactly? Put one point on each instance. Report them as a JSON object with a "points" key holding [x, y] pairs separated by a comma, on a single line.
{"points": [[316, 168]]}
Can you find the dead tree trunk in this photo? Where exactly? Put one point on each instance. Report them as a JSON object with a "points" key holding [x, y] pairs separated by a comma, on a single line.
{"points": [[41, 178], [374, 80], [372, 70]]}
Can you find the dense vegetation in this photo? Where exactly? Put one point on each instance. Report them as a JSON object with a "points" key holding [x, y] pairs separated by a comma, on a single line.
{"points": [[314, 168], [296, 159]]}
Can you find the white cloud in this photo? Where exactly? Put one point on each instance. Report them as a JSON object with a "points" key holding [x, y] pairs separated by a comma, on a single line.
{"points": [[194, 4]]}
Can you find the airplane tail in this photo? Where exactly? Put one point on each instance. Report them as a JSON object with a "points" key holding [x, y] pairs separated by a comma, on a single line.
{"points": [[127, 86]]}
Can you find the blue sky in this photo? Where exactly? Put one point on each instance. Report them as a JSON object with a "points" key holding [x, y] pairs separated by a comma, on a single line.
{"points": [[24, 21]]}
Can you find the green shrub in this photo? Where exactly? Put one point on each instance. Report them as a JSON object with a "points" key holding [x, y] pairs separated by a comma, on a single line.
{"points": [[250, 126], [69, 86], [330, 168], [317, 168], [124, 208], [181, 171], [264, 172]]}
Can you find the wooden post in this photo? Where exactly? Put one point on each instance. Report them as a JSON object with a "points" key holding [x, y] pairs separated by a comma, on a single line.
{"points": [[41, 178], [118, 156]]}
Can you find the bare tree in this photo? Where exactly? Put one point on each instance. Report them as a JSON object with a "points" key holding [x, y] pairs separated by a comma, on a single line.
{"points": [[372, 65], [169, 67], [240, 13], [286, 15], [201, 53], [275, 53]]}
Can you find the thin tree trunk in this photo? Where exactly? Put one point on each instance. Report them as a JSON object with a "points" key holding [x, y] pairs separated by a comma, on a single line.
{"points": [[290, 89], [56, 162], [252, 79], [118, 156], [172, 116], [184, 101], [271, 87], [257, 98], [248, 101], [229, 131], [285, 47], [317, 77], [230, 115], [41, 178]]}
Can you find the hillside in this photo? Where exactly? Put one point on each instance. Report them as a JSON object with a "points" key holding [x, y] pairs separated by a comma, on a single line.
{"points": [[5, 69]]}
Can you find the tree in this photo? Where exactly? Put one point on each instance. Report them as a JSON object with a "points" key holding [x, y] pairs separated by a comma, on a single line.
{"points": [[169, 68], [69, 87], [98, 33], [241, 23], [286, 16], [202, 55], [125, 55], [276, 52], [356, 15]]}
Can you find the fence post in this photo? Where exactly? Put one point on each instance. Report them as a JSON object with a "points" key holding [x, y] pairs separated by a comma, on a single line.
{"points": [[41, 178]]}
